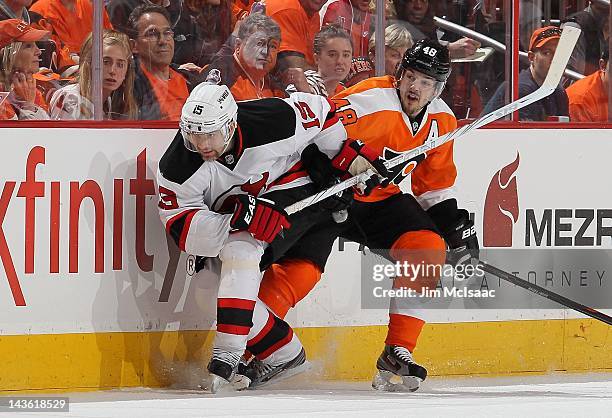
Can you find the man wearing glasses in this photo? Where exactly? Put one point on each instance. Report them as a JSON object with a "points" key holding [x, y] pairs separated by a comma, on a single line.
{"points": [[160, 91], [542, 48]]}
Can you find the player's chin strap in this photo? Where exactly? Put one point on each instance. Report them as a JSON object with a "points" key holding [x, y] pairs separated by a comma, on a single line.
{"points": [[229, 142]]}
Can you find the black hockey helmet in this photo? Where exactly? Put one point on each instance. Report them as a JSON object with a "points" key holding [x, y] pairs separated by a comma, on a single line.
{"points": [[429, 57]]}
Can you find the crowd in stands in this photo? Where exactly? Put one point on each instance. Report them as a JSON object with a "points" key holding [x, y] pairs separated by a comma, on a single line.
{"points": [[156, 51]]}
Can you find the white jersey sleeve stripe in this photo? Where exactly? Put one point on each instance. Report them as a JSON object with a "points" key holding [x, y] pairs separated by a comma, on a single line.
{"points": [[428, 199]]}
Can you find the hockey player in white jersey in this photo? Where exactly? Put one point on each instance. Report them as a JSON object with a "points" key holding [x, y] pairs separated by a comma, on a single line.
{"points": [[223, 184]]}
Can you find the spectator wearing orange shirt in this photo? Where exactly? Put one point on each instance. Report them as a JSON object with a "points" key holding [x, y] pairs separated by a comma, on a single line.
{"points": [[588, 98], [242, 8], [160, 91], [299, 23], [246, 69], [354, 17], [71, 20], [19, 62]]}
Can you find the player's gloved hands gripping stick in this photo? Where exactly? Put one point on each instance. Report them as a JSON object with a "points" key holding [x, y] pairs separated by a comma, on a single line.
{"points": [[355, 158]]}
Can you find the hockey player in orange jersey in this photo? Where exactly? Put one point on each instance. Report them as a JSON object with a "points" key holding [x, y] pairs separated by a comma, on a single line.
{"points": [[392, 115]]}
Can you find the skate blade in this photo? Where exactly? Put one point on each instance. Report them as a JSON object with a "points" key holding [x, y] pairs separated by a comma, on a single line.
{"points": [[284, 375], [216, 384], [240, 382], [388, 382]]}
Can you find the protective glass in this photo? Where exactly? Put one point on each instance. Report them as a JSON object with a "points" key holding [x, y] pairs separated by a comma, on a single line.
{"points": [[221, 137], [212, 139], [424, 83]]}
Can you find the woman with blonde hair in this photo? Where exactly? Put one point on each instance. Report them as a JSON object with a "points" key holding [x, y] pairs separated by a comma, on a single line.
{"points": [[19, 62], [397, 42], [75, 100]]}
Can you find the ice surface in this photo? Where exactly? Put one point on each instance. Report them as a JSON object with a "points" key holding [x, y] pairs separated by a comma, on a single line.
{"points": [[556, 395]]}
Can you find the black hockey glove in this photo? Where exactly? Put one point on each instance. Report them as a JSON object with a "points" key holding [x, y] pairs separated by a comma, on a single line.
{"points": [[462, 241], [355, 157], [260, 217], [324, 175], [457, 230]]}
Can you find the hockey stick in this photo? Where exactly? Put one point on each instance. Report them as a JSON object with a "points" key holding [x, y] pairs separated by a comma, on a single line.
{"points": [[545, 293], [568, 40], [324, 194]]}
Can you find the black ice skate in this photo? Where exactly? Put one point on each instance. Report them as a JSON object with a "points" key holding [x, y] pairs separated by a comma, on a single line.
{"points": [[260, 373], [397, 371], [222, 368]]}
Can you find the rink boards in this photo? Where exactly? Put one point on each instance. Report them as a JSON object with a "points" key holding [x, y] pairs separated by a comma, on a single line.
{"points": [[94, 296]]}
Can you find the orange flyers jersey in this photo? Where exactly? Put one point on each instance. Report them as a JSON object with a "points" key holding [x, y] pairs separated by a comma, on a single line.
{"points": [[372, 112]]}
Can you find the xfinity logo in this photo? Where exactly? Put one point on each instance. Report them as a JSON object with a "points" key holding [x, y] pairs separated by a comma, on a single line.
{"points": [[62, 222]]}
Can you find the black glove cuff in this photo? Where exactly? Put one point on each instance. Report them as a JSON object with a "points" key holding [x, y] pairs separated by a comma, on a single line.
{"points": [[445, 215], [461, 231], [319, 167]]}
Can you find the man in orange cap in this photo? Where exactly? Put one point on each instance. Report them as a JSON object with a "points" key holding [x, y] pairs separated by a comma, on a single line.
{"points": [[542, 47]]}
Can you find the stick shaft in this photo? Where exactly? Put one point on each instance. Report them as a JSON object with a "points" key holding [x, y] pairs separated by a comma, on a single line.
{"points": [[545, 293]]}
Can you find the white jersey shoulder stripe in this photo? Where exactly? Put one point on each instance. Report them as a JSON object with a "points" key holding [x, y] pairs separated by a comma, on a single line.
{"points": [[438, 105], [375, 100]]}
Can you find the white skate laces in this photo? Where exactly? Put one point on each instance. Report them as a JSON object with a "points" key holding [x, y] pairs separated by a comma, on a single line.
{"points": [[226, 356], [222, 369], [403, 354], [397, 371]]}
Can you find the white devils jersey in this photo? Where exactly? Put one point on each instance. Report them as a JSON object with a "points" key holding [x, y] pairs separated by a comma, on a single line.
{"points": [[196, 196]]}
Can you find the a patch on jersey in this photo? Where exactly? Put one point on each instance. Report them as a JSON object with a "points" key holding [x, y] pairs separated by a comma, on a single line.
{"points": [[401, 171], [433, 130], [255, 188]]}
